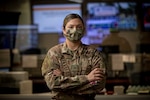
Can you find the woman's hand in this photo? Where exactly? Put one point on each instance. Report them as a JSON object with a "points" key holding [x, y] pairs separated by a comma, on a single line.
{"points": [[57, 72], [96, 75]]}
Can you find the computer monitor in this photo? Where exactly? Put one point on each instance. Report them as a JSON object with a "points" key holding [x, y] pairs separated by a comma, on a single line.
{"points": [[145, 16], [20, 37]]}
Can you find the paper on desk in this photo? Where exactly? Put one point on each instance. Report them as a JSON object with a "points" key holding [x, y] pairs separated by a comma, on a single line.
{"points": [[5, 58], [117, 62], [129, 58], [29, 61]]}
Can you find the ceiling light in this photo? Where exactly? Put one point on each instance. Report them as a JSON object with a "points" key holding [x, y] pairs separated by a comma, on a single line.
{"points": [[77, 1]]}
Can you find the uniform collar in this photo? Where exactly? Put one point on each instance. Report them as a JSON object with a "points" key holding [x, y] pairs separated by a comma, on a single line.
{"points": [[65, 49]]}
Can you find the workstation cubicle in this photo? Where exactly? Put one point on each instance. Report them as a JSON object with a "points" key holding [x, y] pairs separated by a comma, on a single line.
{"points": [[23, 50]]}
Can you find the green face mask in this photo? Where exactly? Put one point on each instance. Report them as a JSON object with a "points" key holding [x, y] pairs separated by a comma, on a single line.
{"points": [[74, 34]]}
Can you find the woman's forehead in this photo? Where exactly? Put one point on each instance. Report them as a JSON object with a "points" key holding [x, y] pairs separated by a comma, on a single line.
{"points": [[75, 21]]}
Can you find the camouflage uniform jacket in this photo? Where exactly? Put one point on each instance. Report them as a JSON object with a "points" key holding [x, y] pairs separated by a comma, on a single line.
{"points": [[74, 65]]}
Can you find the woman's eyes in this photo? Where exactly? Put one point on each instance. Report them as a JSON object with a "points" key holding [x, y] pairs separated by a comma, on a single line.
{"points": [[78, 27]]}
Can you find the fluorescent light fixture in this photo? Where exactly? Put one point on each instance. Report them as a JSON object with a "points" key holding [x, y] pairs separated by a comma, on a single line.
{"points": [[77, 1]]}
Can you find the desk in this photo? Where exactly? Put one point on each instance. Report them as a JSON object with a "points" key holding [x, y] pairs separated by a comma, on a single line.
{"points": [[48, 97], [39, 85], [111, 82]]}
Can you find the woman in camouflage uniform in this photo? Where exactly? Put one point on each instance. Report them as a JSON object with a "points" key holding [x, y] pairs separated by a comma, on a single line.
{"points": [[73, 70]]}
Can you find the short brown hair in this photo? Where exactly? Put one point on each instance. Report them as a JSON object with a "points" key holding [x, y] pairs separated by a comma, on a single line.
{"points": [[71, 16]]}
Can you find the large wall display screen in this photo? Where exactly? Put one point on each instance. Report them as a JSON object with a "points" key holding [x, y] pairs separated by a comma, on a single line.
{"points": [[49, 17]]}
